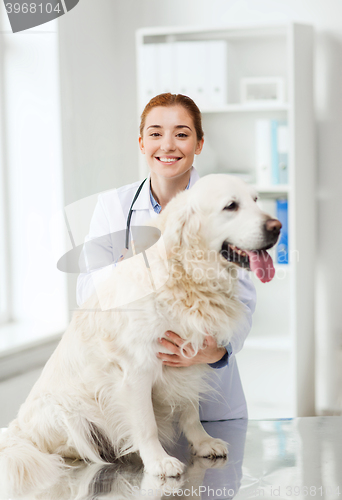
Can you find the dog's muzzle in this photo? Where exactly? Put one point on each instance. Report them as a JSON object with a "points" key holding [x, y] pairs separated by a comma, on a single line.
{"points": [[258, 260]]}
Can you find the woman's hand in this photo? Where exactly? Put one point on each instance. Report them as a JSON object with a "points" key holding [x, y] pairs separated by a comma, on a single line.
{"points": [[209, 354]]}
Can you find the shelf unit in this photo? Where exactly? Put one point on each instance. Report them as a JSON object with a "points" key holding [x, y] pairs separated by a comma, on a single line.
{"points": [[283, 321], [243, 108]]}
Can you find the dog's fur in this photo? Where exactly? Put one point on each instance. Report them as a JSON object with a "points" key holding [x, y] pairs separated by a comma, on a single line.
{"points": [[104, 393]]}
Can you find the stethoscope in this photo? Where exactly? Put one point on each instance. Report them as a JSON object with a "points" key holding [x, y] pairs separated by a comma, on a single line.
{"points": [[128, 224]]}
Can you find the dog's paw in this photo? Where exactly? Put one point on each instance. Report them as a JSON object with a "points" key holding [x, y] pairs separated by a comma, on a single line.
{"points": [[164, 484], [203, 463], [165, 467], [210, 448]]}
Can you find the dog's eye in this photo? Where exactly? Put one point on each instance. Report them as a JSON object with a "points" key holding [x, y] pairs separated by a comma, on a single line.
{"points": [[232, 206]]}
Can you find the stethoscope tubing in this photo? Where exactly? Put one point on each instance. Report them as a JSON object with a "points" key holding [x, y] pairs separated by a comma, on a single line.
{"points": [[128, 223]]}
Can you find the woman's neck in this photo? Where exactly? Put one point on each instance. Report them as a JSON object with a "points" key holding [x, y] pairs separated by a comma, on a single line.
{"points": [[163, 189]]}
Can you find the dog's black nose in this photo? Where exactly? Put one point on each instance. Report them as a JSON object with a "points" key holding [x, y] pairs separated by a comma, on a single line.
{"points": [[273, 227]]}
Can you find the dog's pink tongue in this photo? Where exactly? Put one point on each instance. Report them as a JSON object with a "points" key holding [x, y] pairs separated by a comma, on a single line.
{"points": [[262, 265]]}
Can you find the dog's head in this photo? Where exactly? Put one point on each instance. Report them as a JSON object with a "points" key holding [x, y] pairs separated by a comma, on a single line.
{"points": [[219, 213]]}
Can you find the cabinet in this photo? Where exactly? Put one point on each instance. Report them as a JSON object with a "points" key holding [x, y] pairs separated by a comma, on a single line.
{"points": [[279, 351]]}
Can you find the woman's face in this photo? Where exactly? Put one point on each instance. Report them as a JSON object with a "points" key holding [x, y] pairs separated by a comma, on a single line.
{"points": [[169, 141]]}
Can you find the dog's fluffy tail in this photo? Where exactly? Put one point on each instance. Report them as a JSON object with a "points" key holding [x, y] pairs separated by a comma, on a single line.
{"points": [[24, 468]]}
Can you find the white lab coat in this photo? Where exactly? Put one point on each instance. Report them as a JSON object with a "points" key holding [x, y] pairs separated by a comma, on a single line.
{"points": [[227, 400]]}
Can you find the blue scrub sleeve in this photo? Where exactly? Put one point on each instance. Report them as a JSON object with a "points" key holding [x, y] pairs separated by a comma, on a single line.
{"points": [[247, 296]]}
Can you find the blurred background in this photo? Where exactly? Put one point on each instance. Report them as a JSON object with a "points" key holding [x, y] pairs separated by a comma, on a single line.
{"points": [[71, 92]]}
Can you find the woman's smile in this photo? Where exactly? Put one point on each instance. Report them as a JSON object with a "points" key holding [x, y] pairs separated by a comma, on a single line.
{"points": [[168, 160]]}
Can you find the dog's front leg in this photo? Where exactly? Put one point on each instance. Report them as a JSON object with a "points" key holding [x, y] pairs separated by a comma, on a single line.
{"points": [[202, 444], [145, 431]]}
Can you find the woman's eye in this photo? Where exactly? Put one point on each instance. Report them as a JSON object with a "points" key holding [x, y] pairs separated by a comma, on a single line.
{"points": [[231, 206], [181, 134], [154, 134]]}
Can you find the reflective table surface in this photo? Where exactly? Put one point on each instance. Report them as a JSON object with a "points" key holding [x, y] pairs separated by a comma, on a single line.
{"points": [[272, 459]]}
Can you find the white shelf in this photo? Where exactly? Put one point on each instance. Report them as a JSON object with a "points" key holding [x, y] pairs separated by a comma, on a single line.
{"points": [[283, 328], [246, 108], [283, 267], [273, 191], [239, 32], [275, 343]]}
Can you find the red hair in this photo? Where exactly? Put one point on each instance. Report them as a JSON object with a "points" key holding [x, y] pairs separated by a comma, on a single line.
{"points": [[169, 99]]}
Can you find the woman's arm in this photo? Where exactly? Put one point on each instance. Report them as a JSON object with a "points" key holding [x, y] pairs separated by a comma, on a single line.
{"points": [[217, 357], [247, 296]]}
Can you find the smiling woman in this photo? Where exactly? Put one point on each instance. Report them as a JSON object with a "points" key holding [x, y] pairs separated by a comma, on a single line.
{"points": [[170, 136]]}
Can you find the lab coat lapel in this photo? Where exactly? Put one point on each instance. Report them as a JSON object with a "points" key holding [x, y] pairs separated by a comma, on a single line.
{"points": [[143, 207]]}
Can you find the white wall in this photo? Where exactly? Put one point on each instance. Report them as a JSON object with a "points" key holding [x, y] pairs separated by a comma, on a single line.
{"points": [[100, 129]]}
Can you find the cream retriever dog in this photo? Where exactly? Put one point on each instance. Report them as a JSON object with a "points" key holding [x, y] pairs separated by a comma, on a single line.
{"points": [[104, 393]]}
